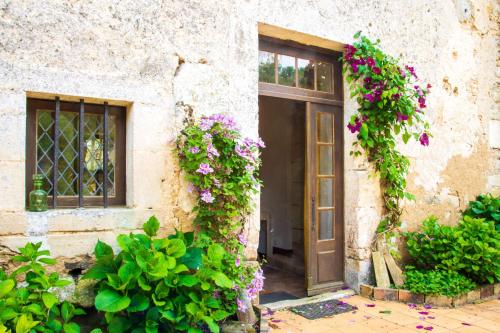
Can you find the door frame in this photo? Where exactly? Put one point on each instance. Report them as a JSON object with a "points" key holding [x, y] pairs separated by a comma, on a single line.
{"points": [[334, 98]]}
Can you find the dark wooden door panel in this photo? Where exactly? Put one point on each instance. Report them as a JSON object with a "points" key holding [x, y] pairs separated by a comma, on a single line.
{"points": [[324, 217]]}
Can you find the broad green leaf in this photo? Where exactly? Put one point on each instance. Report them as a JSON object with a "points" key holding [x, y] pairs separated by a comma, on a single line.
{"points": [[216, 252], [406, 137], [25, 324], [49, 299], [128, 271], [188, 280], [364, 131], [141, 281], [212, 325], [47, 261], [138, 303], [96, 330], [119, 325], [192, 308], [6, 286], [220, 315], [7, 314], [151, 226], [71, 328], [67, 311], [193, 258], [33, 308], [176, 248], [102, 249], [3, 329], [111, 301], [222, 280]]}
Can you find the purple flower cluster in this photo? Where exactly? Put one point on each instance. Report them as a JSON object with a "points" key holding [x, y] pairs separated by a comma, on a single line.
{"points": [[424, 139], [242, 239], [226, 122], [194, 150], [357, 124], [257, 284], [206, 196], [401, 116], [212, 151], [204, 169]]}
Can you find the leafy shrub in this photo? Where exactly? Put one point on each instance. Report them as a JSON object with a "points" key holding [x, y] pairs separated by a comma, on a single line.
{"points": [[437, 282], [471, 248], [486, 206], [164, 284], [31, 306]]}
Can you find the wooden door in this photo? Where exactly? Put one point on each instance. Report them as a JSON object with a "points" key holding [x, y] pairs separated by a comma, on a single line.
{"points": [[324, 198]]}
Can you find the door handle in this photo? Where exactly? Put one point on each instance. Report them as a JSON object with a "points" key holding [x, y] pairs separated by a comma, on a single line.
{"points": [[313, 211]]}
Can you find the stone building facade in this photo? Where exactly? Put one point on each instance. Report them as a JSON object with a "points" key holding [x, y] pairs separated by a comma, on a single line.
{"points": [[162, 60]]}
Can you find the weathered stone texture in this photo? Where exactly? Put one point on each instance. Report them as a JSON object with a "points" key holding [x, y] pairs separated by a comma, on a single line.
{"points": [[167, 60]]}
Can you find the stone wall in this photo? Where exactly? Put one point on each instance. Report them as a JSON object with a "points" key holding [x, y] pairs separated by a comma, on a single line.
{"points": [[164, 60]]}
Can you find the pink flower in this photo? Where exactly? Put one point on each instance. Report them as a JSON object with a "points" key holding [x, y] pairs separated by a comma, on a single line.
{"points": [[249, 168], [376, 70], [206, 196], [242, 239], [194, 150], [401, 117], [424, 141], [242, 307], [370, 62], [205, 169], [212, 151], [370, 305], [237, 262]]}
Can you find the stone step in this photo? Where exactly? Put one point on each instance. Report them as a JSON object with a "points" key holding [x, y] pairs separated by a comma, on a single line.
{"points": [[308, 300]]}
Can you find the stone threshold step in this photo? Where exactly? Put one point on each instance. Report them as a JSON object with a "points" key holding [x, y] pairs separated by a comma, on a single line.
{"points": [[308, 300]]}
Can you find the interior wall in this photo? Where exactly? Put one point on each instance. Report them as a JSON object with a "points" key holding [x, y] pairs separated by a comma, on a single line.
{"points": [[282, 128]]}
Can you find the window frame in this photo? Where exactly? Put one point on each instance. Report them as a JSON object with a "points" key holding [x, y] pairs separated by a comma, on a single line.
{"points": [[119, 199], [316, 54]]}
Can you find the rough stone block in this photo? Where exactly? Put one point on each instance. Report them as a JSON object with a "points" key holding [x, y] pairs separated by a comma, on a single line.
{"points": [[459, 300], [487, 291], [473, 295], [366, 290], [439, 300], [496, 289], [385, 294], [409, 297]]}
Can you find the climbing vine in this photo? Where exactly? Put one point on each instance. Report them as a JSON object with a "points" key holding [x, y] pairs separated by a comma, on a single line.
{"points": [[391, 107], [222, 170]]}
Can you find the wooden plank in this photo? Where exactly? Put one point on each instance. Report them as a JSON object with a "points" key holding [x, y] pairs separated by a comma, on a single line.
{"points": [[381, 274], [396, 272]]}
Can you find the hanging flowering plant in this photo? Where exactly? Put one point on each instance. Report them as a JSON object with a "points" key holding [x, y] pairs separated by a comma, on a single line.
{"points": [[391, 103], [222, 170]]}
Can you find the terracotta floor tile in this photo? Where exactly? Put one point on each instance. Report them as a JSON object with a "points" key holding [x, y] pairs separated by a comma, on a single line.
{"points": [[379, 324], [463, 316], [472, 329], [444, 322], [399, 318], [489, 324]]}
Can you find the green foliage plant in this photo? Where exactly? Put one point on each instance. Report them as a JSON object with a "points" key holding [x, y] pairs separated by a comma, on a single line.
{"points": [[172, 284], [436, 282], [486, 206], [391, 107], [31, 306], [471, 248]]}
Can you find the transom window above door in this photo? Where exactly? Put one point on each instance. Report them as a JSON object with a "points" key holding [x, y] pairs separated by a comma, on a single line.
{"points": [[79, 150], [295, 71]]}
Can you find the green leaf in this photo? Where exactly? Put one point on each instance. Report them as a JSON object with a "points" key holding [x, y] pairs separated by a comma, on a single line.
{"points": [[71, 328], [8, 314], [128, 271], [67, 311], [141, 281], [49, 300], [25, 324], [193, 258], [47, 261], [119, 325], [222, 280], [151, 226], [176, 248], [192, 308], [102, 249], [111, 301], [188, 280], [6, 286], [212, 325], [364, 131], [406, 137], [96, 330], [139, 303], [220, 315], [216, 252]]}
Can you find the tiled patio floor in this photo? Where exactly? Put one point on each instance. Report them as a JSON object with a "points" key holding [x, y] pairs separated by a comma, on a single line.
{"points": [[476, 318]]}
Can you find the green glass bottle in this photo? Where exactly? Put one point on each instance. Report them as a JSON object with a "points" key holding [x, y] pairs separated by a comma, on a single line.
{"points": [[38, 197]]}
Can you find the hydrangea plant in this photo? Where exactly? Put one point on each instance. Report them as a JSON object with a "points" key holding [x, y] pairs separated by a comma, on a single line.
{"points": [[222, 170], [392, 103]]}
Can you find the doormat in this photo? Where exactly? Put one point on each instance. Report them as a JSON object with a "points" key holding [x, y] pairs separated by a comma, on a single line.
{"points": [[322, 309], [275, 297]]}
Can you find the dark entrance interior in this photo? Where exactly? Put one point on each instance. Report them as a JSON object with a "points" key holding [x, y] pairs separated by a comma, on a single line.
{"points": [[281, 243]]}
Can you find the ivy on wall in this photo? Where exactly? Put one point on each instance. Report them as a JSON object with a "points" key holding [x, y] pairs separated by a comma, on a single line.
{"points": [[392, 104]]}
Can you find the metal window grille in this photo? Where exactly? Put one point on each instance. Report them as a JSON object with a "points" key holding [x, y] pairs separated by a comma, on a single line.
{"points": [[79, 148]]}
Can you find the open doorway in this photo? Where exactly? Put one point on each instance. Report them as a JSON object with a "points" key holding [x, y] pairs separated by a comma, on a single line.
{"points": [[281, 243]]}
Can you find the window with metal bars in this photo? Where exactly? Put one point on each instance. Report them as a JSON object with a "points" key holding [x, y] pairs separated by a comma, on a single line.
{"points": [[79, 149]]}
